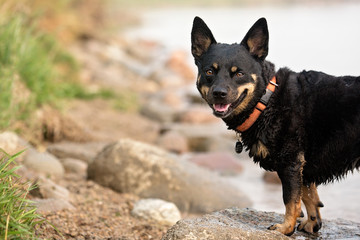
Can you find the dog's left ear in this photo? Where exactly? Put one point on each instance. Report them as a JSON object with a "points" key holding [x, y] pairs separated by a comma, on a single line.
{"points": [[257, 39], [201, 38]]}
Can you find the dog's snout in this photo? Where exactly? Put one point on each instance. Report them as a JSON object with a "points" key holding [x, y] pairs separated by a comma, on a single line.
{"points": [[220, 92]]}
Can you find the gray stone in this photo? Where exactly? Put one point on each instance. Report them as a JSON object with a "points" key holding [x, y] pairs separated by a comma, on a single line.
{"points": [[157, 210], [132, 167], [46, 188], [235, 224], [75, 166], [44, 163], [82, 151]]}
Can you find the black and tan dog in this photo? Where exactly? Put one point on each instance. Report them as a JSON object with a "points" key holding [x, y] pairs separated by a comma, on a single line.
{"points": [[305, 126]]}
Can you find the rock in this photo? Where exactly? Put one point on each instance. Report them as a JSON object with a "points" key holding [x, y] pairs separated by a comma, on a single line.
{"points": [[271, 177], [51, 205], [162, 108], [132, 167], [81, 151], [48, 189], [44, 163], [173, 142], [235, 223], [75, 166], [179, 63], [222, 162], [12, 144], [157, 210]]}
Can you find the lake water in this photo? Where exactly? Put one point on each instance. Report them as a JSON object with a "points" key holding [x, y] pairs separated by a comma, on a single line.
{"points": [[322, 37]]}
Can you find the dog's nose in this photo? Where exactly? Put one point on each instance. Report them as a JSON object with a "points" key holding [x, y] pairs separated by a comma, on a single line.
{"points": [[220, 92]]}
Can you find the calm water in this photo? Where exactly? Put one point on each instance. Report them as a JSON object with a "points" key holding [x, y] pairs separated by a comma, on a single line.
{"points": [[318, 37]]}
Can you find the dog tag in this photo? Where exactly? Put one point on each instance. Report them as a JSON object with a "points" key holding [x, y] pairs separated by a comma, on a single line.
{"points": [[238, 147]]}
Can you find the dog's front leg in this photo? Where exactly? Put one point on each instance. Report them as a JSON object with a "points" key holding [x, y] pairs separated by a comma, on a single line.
{"points": [[291, 179]]}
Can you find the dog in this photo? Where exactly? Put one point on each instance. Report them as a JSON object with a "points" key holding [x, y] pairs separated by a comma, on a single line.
{"points": [[305, 126]]}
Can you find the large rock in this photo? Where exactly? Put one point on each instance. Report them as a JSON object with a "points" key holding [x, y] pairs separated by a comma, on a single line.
{"points": [[132, 167], [236, 223]]}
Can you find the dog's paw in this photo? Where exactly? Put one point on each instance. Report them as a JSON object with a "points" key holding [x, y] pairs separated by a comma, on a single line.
{"points": [[311, 225], [283, 228]]}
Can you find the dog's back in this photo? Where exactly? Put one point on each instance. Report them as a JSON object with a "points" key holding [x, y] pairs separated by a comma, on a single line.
{"points": [[331, 121]]}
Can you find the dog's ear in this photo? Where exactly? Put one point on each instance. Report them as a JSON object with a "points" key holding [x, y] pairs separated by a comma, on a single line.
{"points": [[201, 38], [257, 39]]}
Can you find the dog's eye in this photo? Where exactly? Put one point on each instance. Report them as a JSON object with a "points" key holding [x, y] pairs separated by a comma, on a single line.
{"points": [[240, 74], [209, 72]]}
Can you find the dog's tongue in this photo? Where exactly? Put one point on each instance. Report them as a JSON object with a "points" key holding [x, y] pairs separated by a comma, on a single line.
{"points": [[221, 107]]}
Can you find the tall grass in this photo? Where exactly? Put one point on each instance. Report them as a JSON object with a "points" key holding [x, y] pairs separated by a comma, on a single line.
{"points": [[17, 215], [36, 60]]}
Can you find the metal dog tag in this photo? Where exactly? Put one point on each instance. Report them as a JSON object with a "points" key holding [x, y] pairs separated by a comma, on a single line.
{"points": [[238, 147]]}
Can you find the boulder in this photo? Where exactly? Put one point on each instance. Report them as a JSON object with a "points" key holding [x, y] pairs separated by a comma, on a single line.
{"points": [[132, 167], [157, 210], [235, 224], [44, 163]]}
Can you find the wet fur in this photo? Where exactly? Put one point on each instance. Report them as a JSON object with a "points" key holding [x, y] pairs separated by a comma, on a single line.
{"points": [[310, 131]]}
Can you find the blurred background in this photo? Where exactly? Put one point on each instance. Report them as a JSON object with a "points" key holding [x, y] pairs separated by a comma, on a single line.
{"points": [[100, 70]]}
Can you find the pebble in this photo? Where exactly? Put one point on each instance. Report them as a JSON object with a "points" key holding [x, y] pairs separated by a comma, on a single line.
{"points": [[157, 210]]}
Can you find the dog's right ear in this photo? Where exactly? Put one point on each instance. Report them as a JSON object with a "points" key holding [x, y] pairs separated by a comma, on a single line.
{"points": [[201, 38]]}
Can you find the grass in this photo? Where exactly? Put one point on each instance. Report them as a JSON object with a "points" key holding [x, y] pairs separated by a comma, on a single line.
{"points": [[17, 214]]}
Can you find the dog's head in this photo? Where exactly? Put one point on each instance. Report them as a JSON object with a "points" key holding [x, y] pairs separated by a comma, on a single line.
{"points": [[229, 75]]}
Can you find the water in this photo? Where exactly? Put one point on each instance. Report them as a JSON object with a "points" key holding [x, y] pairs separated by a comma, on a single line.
{"points": [[319, 37]]}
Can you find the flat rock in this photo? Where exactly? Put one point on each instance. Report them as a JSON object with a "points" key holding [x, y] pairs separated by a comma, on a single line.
{"points": [[82, 151], [128, 166], [46, 188], [157, 210], [44, 163], [235, 224]]}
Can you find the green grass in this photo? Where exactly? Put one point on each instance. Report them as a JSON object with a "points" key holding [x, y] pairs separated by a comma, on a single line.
{"points": [[17, 214]]}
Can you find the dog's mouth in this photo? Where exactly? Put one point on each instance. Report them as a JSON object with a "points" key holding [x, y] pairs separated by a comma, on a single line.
{"points": [[223, 110]]}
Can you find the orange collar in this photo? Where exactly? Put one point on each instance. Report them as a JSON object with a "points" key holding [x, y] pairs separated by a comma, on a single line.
{"points": [[260, 106]]}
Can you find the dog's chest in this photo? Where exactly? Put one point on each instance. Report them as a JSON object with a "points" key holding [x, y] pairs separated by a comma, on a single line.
{"points": [[258, 149]]}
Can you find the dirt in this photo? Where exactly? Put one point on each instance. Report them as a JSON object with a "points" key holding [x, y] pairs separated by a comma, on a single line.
{"points": [[100, 213]]}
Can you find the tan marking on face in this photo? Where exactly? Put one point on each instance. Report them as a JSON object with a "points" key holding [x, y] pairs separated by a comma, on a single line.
{"points": [[250, 93], [234, 69], [198, 79], [215, 65], [254, 77], [204, 91]]}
